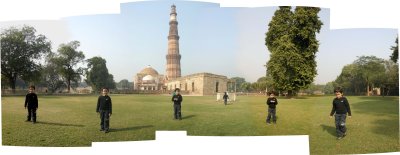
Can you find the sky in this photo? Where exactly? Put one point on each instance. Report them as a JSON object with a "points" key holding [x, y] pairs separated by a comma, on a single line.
{"points": [[349, 31], [227, 41]]}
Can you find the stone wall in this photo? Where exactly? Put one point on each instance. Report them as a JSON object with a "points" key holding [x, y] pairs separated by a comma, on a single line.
{"points": [[199, 84]]}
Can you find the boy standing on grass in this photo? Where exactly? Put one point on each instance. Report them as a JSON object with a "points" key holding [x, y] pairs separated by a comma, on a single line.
{"points": [[225, 97], [271, 102], [340, 107], [104, 108], [31, 101], [177, 99]]}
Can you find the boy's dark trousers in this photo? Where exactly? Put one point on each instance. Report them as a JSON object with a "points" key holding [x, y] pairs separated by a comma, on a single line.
{"points": [[225, 101], [31, 114], [271, 112], [105, 119], [340, 122], [177, 111]]}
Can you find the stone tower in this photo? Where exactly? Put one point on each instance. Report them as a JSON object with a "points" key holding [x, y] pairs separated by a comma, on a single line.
{"points": [[173, 56]]}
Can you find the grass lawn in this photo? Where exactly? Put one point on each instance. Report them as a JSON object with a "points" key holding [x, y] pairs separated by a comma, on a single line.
{"points": [[72, 121]]}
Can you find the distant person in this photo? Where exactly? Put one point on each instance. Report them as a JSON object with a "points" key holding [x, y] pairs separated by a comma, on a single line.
{"points": [[31, 101], [271, 102], [177, 99], [225, 97], [340, 107], [104, 108]]}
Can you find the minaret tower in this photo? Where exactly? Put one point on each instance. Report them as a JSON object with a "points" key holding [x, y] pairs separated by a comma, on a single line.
{"points": [[173, 56]]}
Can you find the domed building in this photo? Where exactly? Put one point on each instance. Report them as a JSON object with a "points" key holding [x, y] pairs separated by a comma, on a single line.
{"points": [[148, 79]]}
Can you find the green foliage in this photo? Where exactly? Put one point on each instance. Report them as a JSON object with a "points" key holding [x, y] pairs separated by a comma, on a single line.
{"points": [[50, 76], [239, 81], [97, 74], [21, 51], [395, 55], [124, 84], [363, 74], [66, 60], [291, 40]]}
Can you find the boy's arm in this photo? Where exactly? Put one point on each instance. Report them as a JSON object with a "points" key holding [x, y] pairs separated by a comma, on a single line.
{"points": [[110, 106], [268, 101], [172, 98], [276, 101], [346, 103], [180, 98], [333, 108], [98, 104], [26, 101]]}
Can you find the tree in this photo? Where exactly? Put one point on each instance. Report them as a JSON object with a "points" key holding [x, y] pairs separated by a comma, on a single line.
{"points": [[97, 74], [395, 55], [21, 50], [51, 78], [246, 86], [238, 81], [67, 60], [291, 40], [371, 70], [329, 87], [124, 84]]}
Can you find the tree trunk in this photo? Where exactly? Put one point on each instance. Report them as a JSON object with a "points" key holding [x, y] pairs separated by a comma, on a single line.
{"points": [[69, 84], [367, 89], [13, 81], [290, 94]]}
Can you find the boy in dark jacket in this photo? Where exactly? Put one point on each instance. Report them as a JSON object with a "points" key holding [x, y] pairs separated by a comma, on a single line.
{"points": [[177, 99], [271, 102], [31, 101], [340, 107], [225, 97], [104, 108]]}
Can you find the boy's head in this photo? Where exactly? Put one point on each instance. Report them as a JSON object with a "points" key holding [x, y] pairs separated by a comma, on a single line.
{"points": [[271, 94], [31, 89], [338, 91], [177, 90], [104, 91]]}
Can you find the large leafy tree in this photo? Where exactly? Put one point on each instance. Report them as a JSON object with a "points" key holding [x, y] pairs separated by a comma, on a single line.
{"points": [[371, 69], [364, 73], [291, 40], [395, 55], [50, 76], [124, 84], [97, 74], [21, 50], [238, 81], [67, 60]]}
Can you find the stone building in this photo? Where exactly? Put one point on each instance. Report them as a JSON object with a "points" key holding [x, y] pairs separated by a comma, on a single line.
{"points": [[201, 84], [148, 79]]}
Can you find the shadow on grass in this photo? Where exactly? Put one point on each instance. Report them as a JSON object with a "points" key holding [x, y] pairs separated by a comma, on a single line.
{"points": [[331, 130], [387, 127], [188, 116], [59, 124], [131, 128], [375, 107]]}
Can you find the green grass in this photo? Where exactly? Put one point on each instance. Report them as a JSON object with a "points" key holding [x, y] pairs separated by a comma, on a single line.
{"points": [[72, 121]]}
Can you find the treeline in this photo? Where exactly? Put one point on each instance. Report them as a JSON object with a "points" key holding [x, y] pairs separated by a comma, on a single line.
{"points": [[27, 59]]}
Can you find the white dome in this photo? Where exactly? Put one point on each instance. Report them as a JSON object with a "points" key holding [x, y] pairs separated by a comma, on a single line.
{"points": [[148, 78]]}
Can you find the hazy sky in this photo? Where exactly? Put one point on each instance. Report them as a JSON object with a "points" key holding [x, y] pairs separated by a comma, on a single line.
{"points": [[221, 40]]}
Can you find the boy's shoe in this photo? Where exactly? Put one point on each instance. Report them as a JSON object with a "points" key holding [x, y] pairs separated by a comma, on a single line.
{"points": [[106, 131], [101, 130], [344, 135]]}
